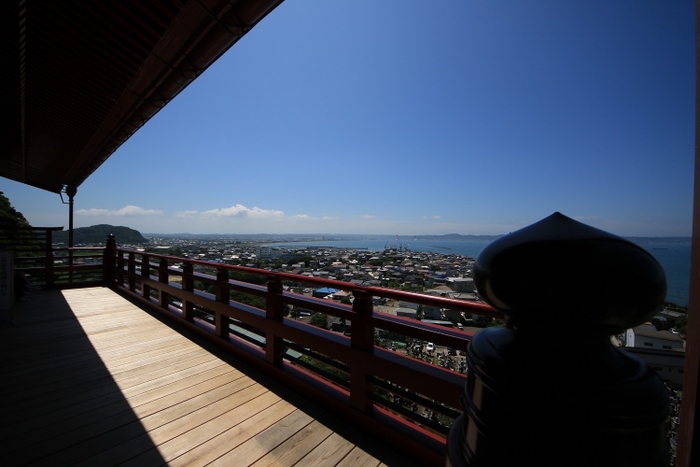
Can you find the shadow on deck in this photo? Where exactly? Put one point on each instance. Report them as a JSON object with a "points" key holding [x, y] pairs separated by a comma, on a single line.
{"points": [[89, 378]]}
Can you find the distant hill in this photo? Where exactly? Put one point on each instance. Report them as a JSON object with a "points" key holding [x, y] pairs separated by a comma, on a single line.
{"points": [[97, 235]]}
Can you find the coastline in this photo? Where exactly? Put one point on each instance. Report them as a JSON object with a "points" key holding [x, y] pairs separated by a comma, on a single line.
{"points": [[673, 253]]}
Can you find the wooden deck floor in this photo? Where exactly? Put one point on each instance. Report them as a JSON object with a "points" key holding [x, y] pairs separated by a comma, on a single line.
{"points": [[88, 378]]}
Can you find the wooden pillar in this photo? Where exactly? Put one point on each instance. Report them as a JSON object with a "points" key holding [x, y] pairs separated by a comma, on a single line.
{"points": [[688, 453], [120, 268], [188, 286], [145, 274], [132, 271], [222, 295], [274, 310], [50, 279], [108, 261], [362, 338], [163, 276]]}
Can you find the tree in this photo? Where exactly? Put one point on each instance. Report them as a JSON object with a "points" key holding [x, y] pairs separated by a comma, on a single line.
{"points": [[319, 320], [9, 216], [12, 223]]}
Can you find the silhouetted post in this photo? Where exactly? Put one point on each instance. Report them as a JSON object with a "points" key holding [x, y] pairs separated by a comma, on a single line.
{"points": [[222, 295], [163, 276], [188, 286], [71, 191], [361, 337], [50, 277], [145, 274], [120, 268], [274, 310], [548, 388], [132, 271], [109, 261]]}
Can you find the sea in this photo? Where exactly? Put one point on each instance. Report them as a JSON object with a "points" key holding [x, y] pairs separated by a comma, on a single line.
{"points": [[672, 254]]}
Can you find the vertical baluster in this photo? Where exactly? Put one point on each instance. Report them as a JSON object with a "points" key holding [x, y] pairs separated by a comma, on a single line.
{"points": [[362, 338], [145, 274], [187, 286], [222, 295], [108, 259], [163, 279], [120, 268], [50, 279], [274, 345], [132, 271]]}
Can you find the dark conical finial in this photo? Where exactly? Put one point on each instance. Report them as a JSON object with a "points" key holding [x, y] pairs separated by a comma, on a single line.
{"points": [[111, 242], [560, 269], [548, 388]]}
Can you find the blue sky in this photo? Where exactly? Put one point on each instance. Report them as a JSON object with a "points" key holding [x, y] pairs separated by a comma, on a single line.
{"points": [[417, 117]]}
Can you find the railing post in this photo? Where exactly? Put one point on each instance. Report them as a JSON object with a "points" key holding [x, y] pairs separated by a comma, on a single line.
{"points": [[187, 286], [108, 261], [548, 388], [274, 310], [50, 279], [132, 271], [120, 268], [361, 338], [145, 274], [163, 279], [222, 295]]}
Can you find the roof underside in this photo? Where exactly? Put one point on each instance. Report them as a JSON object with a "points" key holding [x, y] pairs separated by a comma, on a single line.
{"points": [[78, 78]]}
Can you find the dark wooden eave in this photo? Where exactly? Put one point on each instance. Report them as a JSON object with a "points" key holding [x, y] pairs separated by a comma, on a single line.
{"points": [[78, 78]]}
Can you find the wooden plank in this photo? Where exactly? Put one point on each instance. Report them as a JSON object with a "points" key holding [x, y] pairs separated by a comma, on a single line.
{"points": [[233, 412], [179, 427], [162, 410], [261, 444], [85, 421], [234, 436], [179, 380], [86, 372], [75, 415], [296, 446], [358, 458], [331, 451]]}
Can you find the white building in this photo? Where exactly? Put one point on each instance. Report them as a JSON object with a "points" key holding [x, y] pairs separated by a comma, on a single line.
{"points": [[266, 252], [645, 336], [663, 351], [461, 284]]}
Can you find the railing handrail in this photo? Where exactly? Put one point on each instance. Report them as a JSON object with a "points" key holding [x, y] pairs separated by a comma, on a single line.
{"points": [[36, 253]]}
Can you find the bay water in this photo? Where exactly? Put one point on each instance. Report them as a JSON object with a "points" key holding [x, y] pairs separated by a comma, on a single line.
{"points": [[673, 255]]}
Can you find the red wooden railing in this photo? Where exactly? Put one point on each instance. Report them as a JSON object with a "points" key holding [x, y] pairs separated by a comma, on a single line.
{"points": [[350, 374], [374, 386], [48, 265]]}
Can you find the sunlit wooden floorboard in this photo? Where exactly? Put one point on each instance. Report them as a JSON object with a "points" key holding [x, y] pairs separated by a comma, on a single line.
{"points": [[89, 378]]}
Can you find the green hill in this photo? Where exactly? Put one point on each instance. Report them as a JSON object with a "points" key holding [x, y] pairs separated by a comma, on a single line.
{"points": [[9, 216], [97, 235]]}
